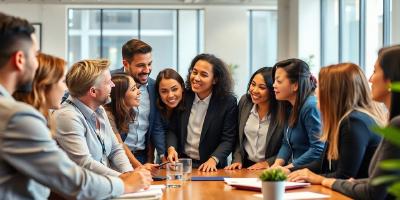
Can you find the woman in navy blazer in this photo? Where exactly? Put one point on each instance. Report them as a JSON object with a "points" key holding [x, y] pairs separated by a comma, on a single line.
{"points": [[348, 118], [206, 130], [294, 89], [260, 136]]}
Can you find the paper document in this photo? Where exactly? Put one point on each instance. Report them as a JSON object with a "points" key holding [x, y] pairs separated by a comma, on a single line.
{"points": [[154, 192], [255, 184], [301, 195]]}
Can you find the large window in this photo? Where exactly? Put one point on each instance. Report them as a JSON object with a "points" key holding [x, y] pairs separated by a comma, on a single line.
{"points": [[263, 38], [175, 35], [354, 31]]}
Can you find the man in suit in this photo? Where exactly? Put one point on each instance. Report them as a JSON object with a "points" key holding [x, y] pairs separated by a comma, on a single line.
{"points": [[147, 130], [30, 161]]}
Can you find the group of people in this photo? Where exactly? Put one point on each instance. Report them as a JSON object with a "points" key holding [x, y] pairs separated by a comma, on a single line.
{"points": [[111, 128]]}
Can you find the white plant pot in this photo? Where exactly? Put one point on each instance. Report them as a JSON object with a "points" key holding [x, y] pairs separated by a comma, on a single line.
{"points": [[273, 190]]}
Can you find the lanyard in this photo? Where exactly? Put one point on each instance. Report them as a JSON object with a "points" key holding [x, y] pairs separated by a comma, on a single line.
{"points": [[101, 140]]}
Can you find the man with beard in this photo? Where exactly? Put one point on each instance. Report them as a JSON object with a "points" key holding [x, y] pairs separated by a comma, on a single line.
{"points": [[137, 61], [83, 129], [31, 163]]}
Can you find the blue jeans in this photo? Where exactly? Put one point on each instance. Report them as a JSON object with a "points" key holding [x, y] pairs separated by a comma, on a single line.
{"points": [[141, 156]]}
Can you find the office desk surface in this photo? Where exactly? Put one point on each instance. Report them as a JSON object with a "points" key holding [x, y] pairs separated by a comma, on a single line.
{"points": [[218, 190]]}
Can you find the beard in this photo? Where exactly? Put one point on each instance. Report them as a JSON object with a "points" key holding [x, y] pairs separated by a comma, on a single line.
{"points": [[25, 87]]}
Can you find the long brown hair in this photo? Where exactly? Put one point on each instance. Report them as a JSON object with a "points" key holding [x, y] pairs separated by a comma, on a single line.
{"points": [[122, 113], [51, 69], [343, 88], [298, 72]]}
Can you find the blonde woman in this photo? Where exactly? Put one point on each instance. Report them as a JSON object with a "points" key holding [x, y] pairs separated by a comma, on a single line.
{"points": [[348, 114]]}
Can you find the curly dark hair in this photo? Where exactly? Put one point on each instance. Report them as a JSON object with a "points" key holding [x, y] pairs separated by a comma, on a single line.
{"points": [[223, 79]]}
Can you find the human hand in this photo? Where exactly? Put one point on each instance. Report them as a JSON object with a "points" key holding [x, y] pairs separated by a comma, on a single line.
{"points": [[305, 175], [209, 166], [233, 166], [136, 180]]}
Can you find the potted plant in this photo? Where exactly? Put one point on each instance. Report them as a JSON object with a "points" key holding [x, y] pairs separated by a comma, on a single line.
{"points": [[273, 184]]}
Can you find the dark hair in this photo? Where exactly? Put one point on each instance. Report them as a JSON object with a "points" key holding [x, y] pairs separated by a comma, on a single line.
{"points": [[121, 112], [15, 35], [266, 73], [298, 72], [223, 78], [168, 73], [389, 60], [134, 46]]}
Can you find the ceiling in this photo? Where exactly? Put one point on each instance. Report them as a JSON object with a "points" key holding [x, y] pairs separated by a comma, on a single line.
{"points": [[164, 2]]}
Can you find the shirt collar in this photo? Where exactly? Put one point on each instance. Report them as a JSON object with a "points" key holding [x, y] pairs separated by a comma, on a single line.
{"points": [[85, 110], [205, 100], [255, 112], [5, 93]]}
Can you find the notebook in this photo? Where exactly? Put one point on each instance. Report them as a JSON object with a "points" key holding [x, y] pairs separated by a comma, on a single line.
{"points": [[255, 184], [209, 178], [154, 192]]}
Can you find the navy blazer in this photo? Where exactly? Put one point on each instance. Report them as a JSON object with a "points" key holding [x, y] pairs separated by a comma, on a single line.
{"points": [[156, 132], [357, 144], [219, 130], [301, 142]]}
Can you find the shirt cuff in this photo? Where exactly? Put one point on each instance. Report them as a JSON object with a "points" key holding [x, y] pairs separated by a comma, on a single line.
{"points": [[216, 159], [117, 186]]}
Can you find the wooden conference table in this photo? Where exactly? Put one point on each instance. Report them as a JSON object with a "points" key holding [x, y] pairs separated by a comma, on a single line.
{"points": [[218, 190]]}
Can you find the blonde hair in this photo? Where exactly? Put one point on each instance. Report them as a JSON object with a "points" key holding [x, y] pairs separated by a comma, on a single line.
{"points": [[343, 88], [85, 74]]}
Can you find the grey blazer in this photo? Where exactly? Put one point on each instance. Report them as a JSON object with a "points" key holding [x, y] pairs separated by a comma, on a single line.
{"points": [[362, 188], [274, 136], [31, 162]]}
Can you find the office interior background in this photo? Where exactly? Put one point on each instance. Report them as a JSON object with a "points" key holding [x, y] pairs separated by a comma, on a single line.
{"points": [[246, 34]]}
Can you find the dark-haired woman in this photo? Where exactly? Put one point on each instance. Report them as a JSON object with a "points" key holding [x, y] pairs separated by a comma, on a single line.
{"points": [[205, 130], [294, 88], [124, 97], [260, 137]]}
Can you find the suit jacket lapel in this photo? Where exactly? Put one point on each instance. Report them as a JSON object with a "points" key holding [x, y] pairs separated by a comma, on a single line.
{"points": [[244, 115], [209, 117], [189, 98]]}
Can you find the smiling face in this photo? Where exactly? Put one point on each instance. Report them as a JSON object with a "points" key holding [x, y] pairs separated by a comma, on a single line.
{"points": [[170, 92], [202, 79], [258, 90], [283, 88], [132, 95], [139, 67]]}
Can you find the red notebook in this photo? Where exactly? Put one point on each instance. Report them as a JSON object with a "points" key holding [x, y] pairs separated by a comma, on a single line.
{"points": [[255, 184]]}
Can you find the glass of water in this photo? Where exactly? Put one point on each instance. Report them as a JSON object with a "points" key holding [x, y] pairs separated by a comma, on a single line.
{"points": [[174, 175], [187, 168]]}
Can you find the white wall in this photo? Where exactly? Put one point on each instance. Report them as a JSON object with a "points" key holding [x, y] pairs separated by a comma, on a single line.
{"points": [[53, 19], [226, 36]]}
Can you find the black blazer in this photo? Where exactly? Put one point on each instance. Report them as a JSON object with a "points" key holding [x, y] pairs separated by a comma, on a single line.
{"points": [[273, 139], [219, 128], [357, 145]]}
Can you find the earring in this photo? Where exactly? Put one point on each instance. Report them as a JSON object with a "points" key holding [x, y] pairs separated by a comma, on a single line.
{"points": [[389, 89]]}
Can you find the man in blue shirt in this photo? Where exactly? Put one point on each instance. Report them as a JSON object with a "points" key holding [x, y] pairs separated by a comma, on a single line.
{"points": [[147, 130], [30, 161]]}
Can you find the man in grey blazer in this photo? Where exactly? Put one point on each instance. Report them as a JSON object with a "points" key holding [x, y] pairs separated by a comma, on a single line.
{"points": [[31, 163]]}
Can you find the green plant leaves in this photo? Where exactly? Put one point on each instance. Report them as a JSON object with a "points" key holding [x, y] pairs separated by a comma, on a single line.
{"points": [[273, 175], [390, 133]]}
